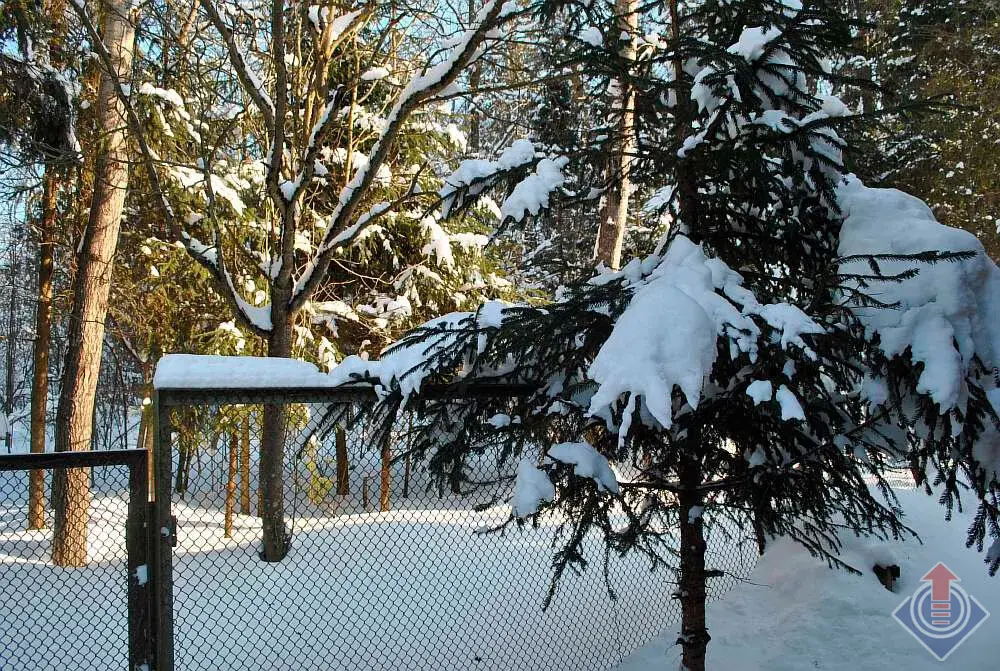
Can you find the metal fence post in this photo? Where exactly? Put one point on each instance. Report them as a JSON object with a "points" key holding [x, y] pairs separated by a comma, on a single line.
{"points": [[137, 528], [162, 540]]}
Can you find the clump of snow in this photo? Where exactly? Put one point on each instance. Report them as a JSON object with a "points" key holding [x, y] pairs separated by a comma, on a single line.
{"points": [[592, 36], [531, 195], [666, 337], [791, 322], [476, 175], [531, 488], [169, 95], [406, 365], [753, 41], [587, 463], [948, 313], [438, 244], [499, 421], [790, 406], [760, 391], [374, 74]]}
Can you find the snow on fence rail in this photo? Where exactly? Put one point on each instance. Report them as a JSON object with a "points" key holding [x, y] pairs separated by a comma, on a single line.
{"points": [[391, 566]]}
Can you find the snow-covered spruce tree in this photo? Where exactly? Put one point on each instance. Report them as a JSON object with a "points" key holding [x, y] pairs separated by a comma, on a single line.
{"points": [[792, 337]]}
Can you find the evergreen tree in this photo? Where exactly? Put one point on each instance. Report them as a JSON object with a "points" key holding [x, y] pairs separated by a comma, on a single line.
{"points": [[793, 336]]}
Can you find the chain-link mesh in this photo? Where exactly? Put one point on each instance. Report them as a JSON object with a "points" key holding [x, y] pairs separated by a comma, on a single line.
{"points": [[65, 596], [389, 567]]}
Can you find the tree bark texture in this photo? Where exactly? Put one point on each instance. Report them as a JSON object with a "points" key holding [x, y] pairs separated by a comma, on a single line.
{"points": [[245, 466], [343, 472], [694, 631], [234, 447], [385, 477], [10, 351], [91, 288]]}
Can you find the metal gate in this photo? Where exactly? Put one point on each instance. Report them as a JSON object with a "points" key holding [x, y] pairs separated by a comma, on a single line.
{"points": [[96, 615]]}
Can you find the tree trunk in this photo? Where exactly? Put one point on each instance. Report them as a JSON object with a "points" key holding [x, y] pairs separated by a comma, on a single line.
{"points": [[475, 79], [614, 213], [40, 349], [272, 442], [694, 632], [385, 477], [455, 477], [234, 446], [761, 510], [406, 476], [10, 353], [343, 474], [684, 113], [92, 285], [245, 467]]}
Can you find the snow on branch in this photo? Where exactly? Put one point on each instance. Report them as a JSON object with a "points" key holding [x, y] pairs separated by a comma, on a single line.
{"points": [[667, 337], [248, 77], [474, 176], [946, 314]]}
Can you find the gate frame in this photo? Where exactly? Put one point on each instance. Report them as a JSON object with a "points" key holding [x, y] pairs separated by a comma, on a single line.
{"points": [[139, 547]]}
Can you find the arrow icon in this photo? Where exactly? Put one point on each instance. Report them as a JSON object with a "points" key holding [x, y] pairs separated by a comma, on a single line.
{"points": [[940, 578]]}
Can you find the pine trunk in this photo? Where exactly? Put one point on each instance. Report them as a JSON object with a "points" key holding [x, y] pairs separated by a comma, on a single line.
{"points": [[92, 286], [40, 349], [475, 80], [245, 467], [614, 213], [144, 441], [385, 479], [10, 353], [406, 476]]}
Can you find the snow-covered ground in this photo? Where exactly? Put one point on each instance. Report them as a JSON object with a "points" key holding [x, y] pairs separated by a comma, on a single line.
{"points": [[797, 614], [420, 589]]}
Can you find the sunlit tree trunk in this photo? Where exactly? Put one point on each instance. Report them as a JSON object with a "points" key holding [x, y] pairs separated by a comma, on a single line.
{"points": [[234, 447], [91, 288], [272, 442], [343, 472], [245, 467], [385, 477], [614, 212]]}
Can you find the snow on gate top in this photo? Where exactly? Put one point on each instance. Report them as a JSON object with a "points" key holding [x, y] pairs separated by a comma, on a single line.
{"points": [[196, 371]]}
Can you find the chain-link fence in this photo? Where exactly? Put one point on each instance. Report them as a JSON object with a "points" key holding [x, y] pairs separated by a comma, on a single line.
{"points": [[390, 565], [72, 599]]}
